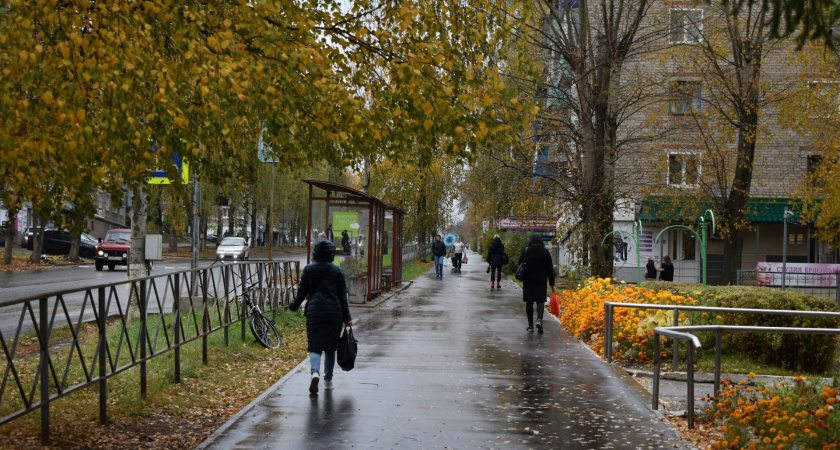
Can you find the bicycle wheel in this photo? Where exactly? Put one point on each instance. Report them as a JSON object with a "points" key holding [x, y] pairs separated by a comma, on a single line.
{"points": [[265, 331]]}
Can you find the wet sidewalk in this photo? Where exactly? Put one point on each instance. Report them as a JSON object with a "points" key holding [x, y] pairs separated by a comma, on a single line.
{"points": [[448, 364]]}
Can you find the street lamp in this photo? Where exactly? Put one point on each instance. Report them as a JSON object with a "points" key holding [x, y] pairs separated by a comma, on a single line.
{"points": [[786, 216]]}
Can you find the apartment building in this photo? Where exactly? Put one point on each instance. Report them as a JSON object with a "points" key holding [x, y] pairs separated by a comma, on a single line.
{"points": [[681, 142]]}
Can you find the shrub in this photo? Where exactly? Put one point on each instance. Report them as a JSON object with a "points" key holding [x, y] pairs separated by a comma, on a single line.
{"points": [[801, 352]]}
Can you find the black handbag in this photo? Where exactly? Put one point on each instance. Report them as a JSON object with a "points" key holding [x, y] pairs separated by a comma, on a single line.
{"points": [[347, 349], [520, 271]]}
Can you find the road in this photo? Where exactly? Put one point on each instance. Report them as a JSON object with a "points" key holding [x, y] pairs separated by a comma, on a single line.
{"points": [[26, 284]]}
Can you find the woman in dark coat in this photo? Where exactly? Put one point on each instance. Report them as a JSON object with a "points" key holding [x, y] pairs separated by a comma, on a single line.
{"points": [[539, 271], [323, 283], [667, 270], [650, 269], [496, 259]]}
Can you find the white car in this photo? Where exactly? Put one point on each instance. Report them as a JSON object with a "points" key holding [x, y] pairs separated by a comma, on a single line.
{"points": [[232, 248]]}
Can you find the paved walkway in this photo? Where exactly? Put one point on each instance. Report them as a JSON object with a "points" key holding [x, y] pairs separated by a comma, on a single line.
{"points": [[448, 364]]}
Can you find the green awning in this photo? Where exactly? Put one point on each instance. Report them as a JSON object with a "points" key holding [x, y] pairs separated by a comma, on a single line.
{"points": [[679, 209]]}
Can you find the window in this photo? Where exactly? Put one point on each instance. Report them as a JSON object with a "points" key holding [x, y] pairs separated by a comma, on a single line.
{"points": [[796, 239], [683, 169], [684, 96], [686, 25]]}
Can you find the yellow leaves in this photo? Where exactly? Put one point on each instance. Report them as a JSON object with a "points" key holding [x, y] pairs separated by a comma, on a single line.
{"points": [[180, 121], [23, 55], [428, 124], [47, 97], [81, 116], [397, 112], [459, 130]]}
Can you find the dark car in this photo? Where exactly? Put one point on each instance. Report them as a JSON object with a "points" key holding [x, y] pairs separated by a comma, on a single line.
{"points": [[29, 237], [59, 242], [113, 251]]}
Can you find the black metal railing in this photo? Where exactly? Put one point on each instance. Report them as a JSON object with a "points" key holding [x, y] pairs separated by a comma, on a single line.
{"points": [[135, 321]]}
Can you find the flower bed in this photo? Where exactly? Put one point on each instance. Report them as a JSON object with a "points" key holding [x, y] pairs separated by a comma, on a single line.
{"points": [[797, 415], [582, 313]]}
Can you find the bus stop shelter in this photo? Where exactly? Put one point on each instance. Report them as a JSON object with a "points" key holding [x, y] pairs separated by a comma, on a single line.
{"points": [[367, 234]]}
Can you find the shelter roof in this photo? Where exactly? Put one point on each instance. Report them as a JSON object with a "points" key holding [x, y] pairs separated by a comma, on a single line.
{"points": [[350, 192]]}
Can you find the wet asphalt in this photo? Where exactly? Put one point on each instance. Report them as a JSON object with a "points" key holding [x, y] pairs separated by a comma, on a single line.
{"points": [[448, 364]]}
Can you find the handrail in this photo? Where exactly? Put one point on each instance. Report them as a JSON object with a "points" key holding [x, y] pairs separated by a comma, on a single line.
{"points": [[681, 333], [174, 309], [609, 306]]}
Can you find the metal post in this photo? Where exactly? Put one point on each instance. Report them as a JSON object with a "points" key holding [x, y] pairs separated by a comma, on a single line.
{"points": [[784, 250], [196, 219], [656, 360], [638, 238], [176, 326], [690, 381], [608, 311], [142, 303], [103, 342], [44, 369], [205, 322], [270, 216], [676, 343], [837, 288], [225, 283], [243, 314], [702, 237], [718, 345]]}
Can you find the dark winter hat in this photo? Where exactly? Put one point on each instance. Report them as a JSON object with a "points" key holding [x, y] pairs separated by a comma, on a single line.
{"points": [[324, 251]]}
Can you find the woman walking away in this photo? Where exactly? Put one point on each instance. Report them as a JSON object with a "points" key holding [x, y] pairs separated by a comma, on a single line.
{"points": [[539, 270], [667, 270], [323, 284], [650, 269], [496, 260]]}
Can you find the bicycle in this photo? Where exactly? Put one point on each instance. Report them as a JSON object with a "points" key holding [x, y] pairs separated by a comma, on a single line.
{"points": [[261, 327]]}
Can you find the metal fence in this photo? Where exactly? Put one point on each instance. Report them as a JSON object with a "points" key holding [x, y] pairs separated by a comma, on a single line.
{"points": [[681, 333], [42, 340], [817, 284], [414, 252]]}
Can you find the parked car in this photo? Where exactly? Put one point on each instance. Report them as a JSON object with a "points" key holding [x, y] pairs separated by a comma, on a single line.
{"points": [[29, 237], [232, 248], [113, 251], [58, 242]]}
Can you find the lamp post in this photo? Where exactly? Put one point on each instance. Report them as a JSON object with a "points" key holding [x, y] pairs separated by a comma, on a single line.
{"points": [[786, 216]]}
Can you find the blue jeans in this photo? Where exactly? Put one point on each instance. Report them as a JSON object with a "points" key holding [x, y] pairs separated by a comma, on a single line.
{"points": [[439, 265], [329, 364]]}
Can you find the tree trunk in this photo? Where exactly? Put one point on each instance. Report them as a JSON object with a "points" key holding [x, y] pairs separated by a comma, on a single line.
{"points": [[252, 241], [173, 239], [231, 219], [10, 236], [137, 265], [37, 239], [74, 247]]}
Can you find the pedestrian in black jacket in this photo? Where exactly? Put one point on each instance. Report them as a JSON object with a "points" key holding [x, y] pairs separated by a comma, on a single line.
{"points": [[667, 270], [496, 260], [322, 282], [539, 271], [439, 252]]}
